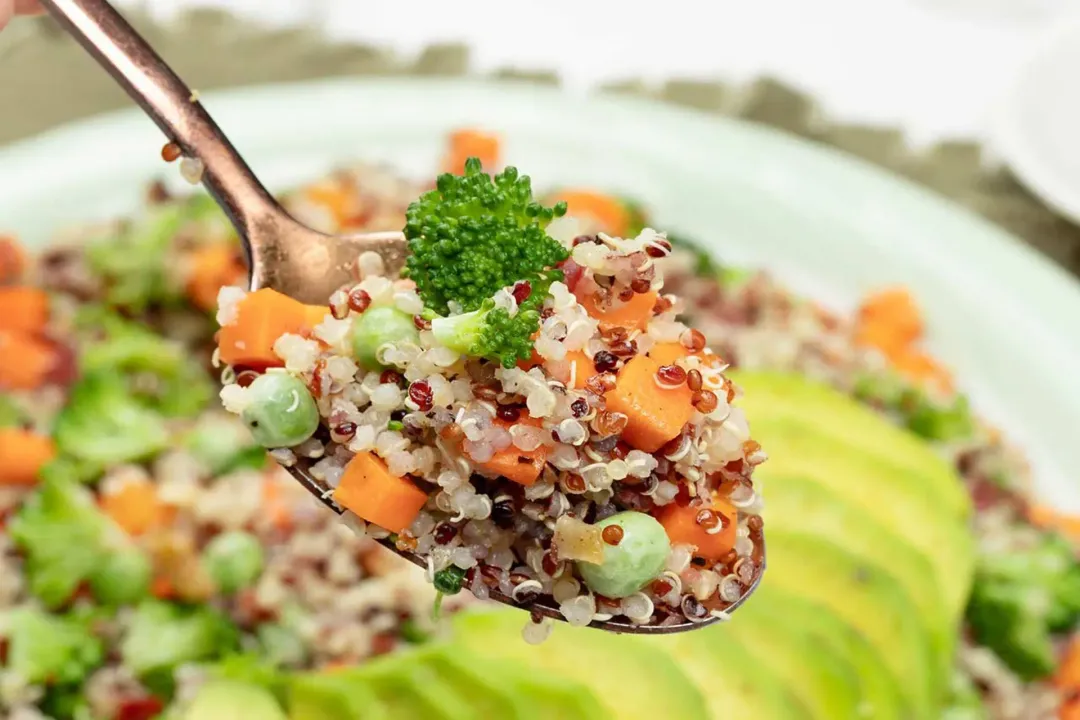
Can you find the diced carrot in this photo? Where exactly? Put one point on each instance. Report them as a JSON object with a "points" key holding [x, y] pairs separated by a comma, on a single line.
{"points": [[574, 369], [534, 361], [1070, 709], [25, 361], [213, 267], [895, 308], [669, 353], [369, 490], [470, 142], [515, 464], [632, 314], [610, 212], [134, 505], [314, 315], [12, 260], [261, 318], [23, 309], [162, 588], [275, 506], [923, 370], [340, 199], [882, 337], [681, 524], [1050, 519], [655, 415], [23, 454], [1067, 676]]}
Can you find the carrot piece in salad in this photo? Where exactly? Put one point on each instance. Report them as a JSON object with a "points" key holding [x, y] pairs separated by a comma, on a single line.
{"points": [[634, 314], [12, 260], [369, 489], [610, 212], [134, 505], [573, 370], [24, 453], [1067, 681], [213, 267], [668, 353], [470, 142], [261, 318], [655, 415], [513, 463], [275, 504], [923, 370], [23, 309], [25, 361], [682, 527], [1068, 525], [895, 309]]}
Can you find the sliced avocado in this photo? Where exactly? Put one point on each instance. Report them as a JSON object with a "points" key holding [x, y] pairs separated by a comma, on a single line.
{"points": [[735, 683], [552, 697], [633, 680], [796, 502], [785, 394], [414, 691], [868, 598], [473, 678], [233, 700], [823, 679], [884, 493], [881, 697], [333, 696]]}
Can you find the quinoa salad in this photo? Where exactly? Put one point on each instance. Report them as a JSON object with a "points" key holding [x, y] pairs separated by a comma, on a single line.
{"points": [[157, 563], [523, 415]]}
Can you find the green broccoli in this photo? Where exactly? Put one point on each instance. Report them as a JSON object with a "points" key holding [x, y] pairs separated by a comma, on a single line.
{"points": [[936, 421], [471, 237], [64, 537], [44, 648], [1020, 598], [180, 386], [103, 424], [162, 636]]}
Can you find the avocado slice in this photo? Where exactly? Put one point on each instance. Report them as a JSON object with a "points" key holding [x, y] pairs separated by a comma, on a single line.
{"points": [[881, 696], [884, 493], [486, 685], [632, 680], [736, 684], [796, 502], [799, 656], [333, 696], [867, 597], [233, 700], [791, 395], [414, 691]]}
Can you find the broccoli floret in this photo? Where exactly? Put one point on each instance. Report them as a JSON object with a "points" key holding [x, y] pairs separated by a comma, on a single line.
{"points": [[103, 424], [133, 262], [474, 235], [162, 636], [491, 332], [64, 537], [180, 386], [1020, 598], [49, 649]]}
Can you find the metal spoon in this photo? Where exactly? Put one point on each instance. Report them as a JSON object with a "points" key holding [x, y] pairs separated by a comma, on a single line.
{"points": [[282, 253]]}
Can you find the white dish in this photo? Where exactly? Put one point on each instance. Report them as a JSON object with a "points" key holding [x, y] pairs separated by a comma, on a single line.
{"points": [[829, 225]]}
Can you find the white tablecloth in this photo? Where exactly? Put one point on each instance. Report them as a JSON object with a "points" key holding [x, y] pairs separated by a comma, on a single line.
{"points": [[932, 67]]}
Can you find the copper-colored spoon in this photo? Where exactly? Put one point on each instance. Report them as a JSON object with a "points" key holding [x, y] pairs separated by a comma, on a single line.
{"points": [[282, 253]]}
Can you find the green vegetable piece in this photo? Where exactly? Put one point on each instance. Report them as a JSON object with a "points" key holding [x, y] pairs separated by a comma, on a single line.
{"points": [[252, 669], [629, 566], [11, 414], [411, 632], [123, 578], [222, 444], [133, 262], [281, 646], [396, 425], [1020, 598], [933, 421], [449, 581], [376, 327], [491, 332], [228, 699], [234, 559], [44, 648], [64, 538], [162, 636], [104, 425], [474, 235], [281, 411], [329, 696]]}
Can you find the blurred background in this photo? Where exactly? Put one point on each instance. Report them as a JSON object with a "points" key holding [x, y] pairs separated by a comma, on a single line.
{"points": [[874, 208]]}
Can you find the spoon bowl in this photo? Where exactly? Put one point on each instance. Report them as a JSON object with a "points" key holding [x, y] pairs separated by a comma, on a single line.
{"points": [[282, 253]]}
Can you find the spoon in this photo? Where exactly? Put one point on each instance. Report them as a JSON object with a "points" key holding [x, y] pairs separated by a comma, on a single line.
{"points": [[282, 253]]}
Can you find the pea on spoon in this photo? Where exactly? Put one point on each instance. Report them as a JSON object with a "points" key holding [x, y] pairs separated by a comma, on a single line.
{"points": [[285, 255]]}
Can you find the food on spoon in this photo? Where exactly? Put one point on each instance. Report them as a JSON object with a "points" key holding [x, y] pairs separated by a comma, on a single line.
{"points": [[497, 409]]}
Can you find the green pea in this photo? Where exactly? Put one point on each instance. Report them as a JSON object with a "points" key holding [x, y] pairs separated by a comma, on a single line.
{"points": [[123, 578], [281, 411], [377, 326], [234, 560], [638, 558]]}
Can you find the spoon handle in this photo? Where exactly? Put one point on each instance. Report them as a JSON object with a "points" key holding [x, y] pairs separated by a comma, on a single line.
{"points": [[151, 83]]}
